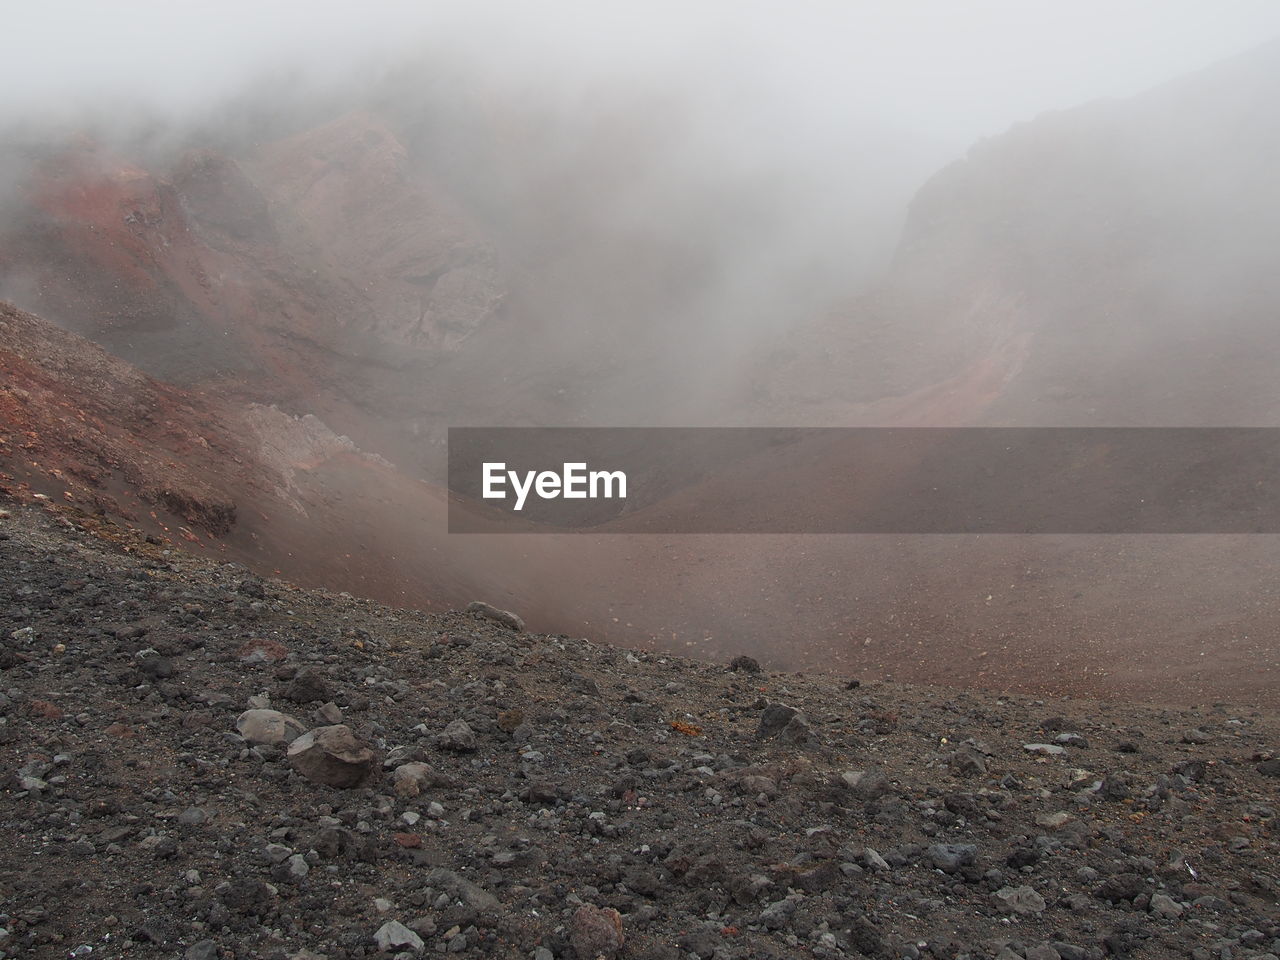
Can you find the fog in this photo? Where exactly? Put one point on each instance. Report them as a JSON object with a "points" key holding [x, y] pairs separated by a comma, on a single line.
{"points": [[703, 177], [838, 110], [809, 88], [947, 73], [404, 217]]}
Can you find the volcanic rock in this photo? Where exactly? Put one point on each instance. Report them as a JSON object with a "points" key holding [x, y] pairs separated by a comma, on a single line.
{"points": [[410, 779], [308, 686], [458, 737], [1163, 905], [951, 857], [504, 617], [596, 931], [210, 838], [333, 756], [774, 718], [393, 935], [1021, 900], [1045, 749], [269, 727]]}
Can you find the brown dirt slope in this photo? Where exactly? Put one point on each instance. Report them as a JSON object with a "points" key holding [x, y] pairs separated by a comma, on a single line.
{"points": [[519, 794]]}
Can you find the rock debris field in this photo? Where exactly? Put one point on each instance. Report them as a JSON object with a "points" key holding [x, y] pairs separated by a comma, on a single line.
{"points": [[202, 764]]}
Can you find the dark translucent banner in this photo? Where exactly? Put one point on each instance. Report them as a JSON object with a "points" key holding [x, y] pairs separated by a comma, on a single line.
{"points": [[865, 480]]}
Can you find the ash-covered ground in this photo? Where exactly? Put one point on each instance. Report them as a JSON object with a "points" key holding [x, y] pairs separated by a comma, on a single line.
{"points": [[447, 784]]}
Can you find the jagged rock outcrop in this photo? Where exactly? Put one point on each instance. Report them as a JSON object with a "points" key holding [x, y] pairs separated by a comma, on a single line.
{"points": [[323, 258]]}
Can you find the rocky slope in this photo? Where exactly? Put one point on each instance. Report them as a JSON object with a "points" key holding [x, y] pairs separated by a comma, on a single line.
{"points": [[1152, 617], [468, 788], [1105, 265], [292, 321], [209, 472], [321, 272]]}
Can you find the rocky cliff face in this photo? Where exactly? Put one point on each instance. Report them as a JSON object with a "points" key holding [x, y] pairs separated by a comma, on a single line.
{"points": [[349, 202], [302, 272], [1114, 259], [1136, 235], [86, 429]]}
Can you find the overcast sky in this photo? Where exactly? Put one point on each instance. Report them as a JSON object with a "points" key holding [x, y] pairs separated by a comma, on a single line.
{"points": [[945, 70]]}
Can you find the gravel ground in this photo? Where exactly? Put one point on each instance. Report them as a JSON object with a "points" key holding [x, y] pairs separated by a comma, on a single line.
{"points": [[198, 763]]}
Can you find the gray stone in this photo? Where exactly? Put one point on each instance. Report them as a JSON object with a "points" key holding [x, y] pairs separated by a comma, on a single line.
{"points": [[864, 783], [796, 733], [268, 726], [1116, 787], [1045, 749], [463, 890], [952, 857], [308, 686], [458, 737], [334, 757], [1163, 905], [490, 612], [329, 713], [277, 852], [204, 950], [394, 935], [967, 762], [1021, 900], [773, 719]]}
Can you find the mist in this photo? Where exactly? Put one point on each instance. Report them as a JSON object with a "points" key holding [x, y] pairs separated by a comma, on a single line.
{"points": [[714, 182], [944, 72], [817, 123], [355, 225]]}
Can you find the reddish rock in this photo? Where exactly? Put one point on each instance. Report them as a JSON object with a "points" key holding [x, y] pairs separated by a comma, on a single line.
{"points": [[596, 932], [44, 708]]}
